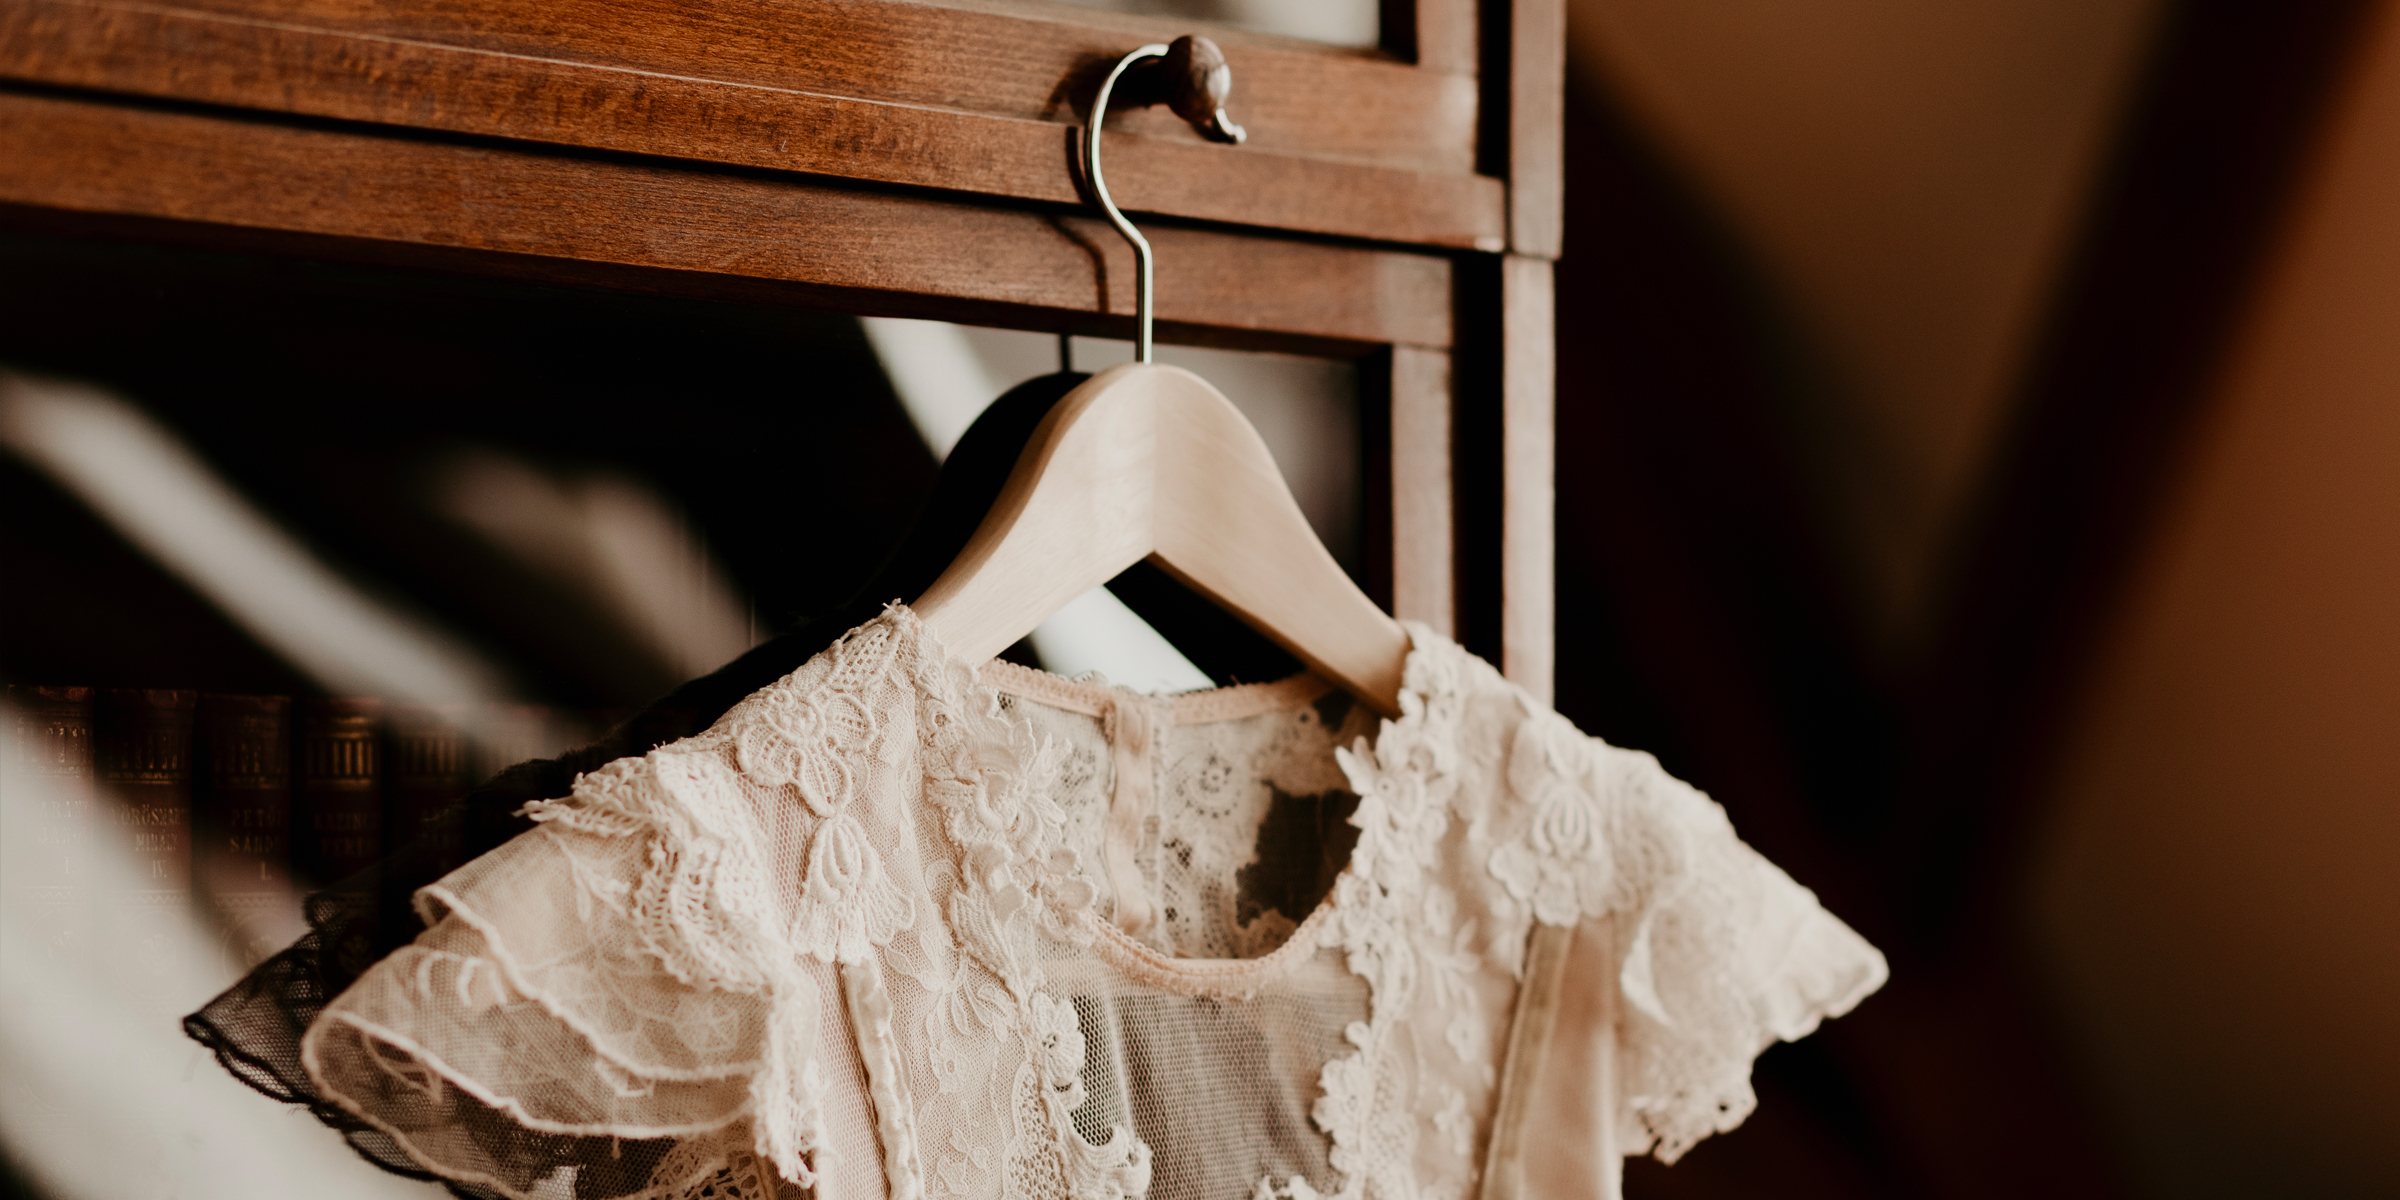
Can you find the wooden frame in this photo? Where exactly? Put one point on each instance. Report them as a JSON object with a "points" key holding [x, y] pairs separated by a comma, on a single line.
{"points": [[877, 156]]}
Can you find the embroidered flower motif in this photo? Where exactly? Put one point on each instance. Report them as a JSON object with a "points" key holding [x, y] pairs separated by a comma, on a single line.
{"points": [[1058, 1047], [1451, 963], [1117, 1169], [1435, 691], [1296, 1188], [1399, 825], [702, 907], [958, 1033], [1560, 865], [847, 903], [992, 781], [1454, 1123], [1383, 954], [1404, 782], [814, 727], [696, 904], [1342, 1111], [966, 1165], [811, 741]]}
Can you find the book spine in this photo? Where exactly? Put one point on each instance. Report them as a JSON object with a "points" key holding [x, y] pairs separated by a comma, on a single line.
{"points": [[143, 750], [338, 822], [242, 820], [47, 799], [430, 764]]}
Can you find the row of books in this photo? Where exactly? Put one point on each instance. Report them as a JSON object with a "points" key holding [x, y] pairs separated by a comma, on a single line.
{"points": [[237, 804]]}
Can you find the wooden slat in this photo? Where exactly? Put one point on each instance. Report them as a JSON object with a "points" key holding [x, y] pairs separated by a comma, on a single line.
{"points": [[247, 63], [1537, 80], [1442, 34], [1423, 564], [634, 223], [1294, 98], [1528, 487]]}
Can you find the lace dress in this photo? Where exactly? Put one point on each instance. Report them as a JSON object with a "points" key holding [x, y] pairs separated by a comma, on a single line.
{"points": [[893, 927]]}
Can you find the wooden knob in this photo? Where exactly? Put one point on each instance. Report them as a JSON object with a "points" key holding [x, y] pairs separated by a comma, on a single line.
{"points": [[1197, 82]]}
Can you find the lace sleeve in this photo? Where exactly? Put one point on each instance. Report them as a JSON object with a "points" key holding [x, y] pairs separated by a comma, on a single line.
{"points": [[1727, 956], [1723, 953], [591, 1007]]}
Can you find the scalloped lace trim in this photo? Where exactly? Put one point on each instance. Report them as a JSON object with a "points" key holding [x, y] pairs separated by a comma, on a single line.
{"points": [[1727, 954]]}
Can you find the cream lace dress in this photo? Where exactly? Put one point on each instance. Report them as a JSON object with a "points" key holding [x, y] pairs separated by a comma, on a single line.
{"points": [[893, 927]]}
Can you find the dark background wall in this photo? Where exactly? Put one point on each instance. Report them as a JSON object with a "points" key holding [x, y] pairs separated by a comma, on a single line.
{"points": [[1979, 471]]}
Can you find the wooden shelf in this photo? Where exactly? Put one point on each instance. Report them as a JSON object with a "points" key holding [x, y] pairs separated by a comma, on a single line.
{"points": [[360, 193], [968, 102]]}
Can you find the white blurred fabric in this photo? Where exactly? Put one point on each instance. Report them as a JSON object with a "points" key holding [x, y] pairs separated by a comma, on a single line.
{"points": [[146, 483], [102, 1097], [613, 540]]}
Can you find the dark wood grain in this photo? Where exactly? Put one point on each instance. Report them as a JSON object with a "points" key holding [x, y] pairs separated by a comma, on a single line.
{"points": [[621, 222], [248, 63], [1310, 101]]}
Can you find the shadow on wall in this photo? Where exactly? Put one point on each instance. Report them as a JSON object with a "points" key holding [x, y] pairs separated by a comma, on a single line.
{"points": [[1904, 182], [1884, 339], [2216, 892]]}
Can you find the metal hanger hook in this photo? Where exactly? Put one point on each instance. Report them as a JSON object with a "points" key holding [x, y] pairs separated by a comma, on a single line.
{"points": [[1197, 93]]}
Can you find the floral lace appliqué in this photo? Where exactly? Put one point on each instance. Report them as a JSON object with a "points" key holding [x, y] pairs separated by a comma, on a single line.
{"points": [[1560, 864], [848, 902]]}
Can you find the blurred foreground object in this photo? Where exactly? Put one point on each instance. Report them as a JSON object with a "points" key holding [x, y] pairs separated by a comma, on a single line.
{"points": [[165, 500], [101, 1096]]}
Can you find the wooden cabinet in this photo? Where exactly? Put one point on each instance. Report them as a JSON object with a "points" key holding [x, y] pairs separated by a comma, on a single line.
{"points": [[1399, 206]]}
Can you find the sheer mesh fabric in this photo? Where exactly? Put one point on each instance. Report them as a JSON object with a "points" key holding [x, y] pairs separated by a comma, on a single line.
{"points": [[256, 1026], [1221, 1092], [1245, 822], [1239, 842], [879, 931]]}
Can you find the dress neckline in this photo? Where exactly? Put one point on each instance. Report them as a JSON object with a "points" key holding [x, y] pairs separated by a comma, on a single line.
{"points": [[1094, 698], [1240, 976]]}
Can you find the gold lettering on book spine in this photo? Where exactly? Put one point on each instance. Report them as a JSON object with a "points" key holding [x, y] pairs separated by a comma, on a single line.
{"points": [[340, 790]]}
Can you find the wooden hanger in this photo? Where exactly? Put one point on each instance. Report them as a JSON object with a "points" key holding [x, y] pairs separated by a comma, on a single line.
{"points": [[1148, 461], [1145, 461]]}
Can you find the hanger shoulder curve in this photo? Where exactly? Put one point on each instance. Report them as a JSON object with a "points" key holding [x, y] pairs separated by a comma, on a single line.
{"points": [[1145, 461], [1228, 527], [1074, 512]]}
